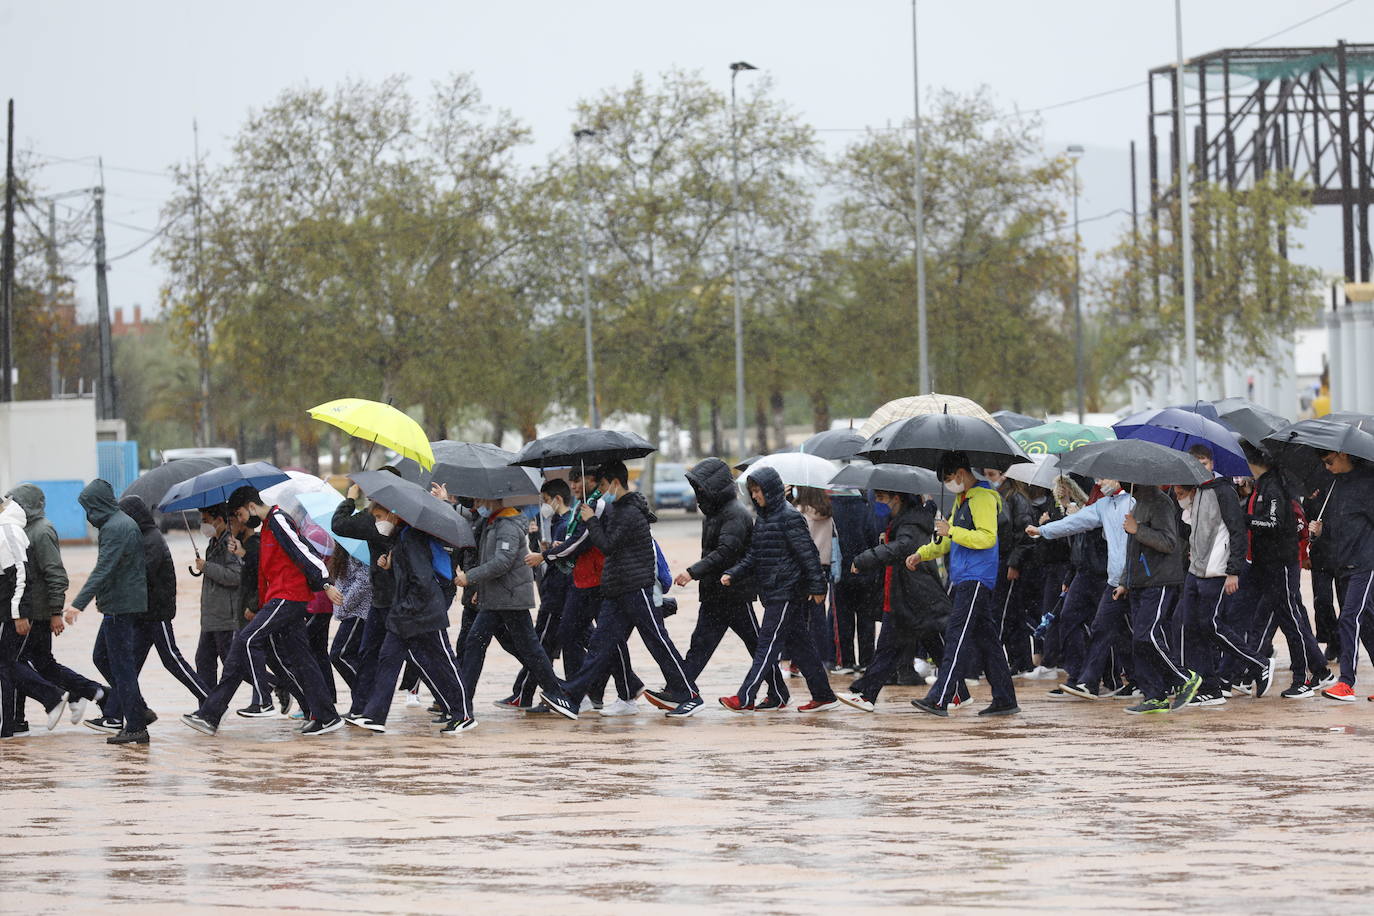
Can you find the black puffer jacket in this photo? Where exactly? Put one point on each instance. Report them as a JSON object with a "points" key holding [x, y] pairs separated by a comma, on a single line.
{"points": [[918, 596], [726, 529], [1046, 552], [1348, 523], [782, 559], [1013, 546], [157, 560], [419, 604], [857, 528], [350, 523], [622, 534]]}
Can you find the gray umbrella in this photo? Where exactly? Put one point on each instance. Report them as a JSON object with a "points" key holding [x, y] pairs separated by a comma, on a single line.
{"points": [[925, 439], [414, 504], [1135, 461], [834, 444], [1325, 435], [481, 471], [1252, 421], [894, 478], [1014, 422]]}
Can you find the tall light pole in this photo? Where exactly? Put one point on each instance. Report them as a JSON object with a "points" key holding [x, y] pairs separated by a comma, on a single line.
{"points": [[1074, 153], [923, 341], [593, 415], [1185, 209], [735, 69]]}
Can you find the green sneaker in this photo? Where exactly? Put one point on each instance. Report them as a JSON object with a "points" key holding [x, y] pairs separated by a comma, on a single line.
{"points": [[1187, 691], [1145, 707]]}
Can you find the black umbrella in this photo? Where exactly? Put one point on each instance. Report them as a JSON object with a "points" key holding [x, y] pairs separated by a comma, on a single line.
{"points": [[582, 446], [1249, 419], [1014, 422], [1135, 461], [1324, 435], [834, 444], [414, 504], [152, 486], [747, 463], [480, 470], [923, 440], [895, 478]]}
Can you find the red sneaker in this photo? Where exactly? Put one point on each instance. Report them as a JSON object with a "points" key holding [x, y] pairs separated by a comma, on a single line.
{"points": [[818, 706], [734, 705], [1340, 691]]}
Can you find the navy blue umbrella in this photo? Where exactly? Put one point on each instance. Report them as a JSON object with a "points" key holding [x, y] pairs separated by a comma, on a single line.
{"points": [[213, 487], [1181, 429]]}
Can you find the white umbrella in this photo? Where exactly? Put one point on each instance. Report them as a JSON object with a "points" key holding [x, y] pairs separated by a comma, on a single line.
{"points": [[796, 469], [284, 494], [902, 408], [1042, 472]]}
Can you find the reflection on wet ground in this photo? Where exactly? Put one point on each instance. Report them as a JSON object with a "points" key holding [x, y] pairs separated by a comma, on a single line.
{"points": [[1262, 805]]}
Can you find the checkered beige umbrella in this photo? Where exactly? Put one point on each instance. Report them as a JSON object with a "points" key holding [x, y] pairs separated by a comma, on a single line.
{"points": [[902, 408]]}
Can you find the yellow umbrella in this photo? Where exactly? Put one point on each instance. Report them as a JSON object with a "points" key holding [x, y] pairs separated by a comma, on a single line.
{"points": [[378, 423]]}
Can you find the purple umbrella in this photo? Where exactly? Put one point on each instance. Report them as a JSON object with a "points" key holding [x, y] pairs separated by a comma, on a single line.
{"points": [[1182, 429]]}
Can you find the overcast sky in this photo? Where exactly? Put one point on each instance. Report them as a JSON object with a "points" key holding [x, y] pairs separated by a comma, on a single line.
{"points": [[124, 80]]}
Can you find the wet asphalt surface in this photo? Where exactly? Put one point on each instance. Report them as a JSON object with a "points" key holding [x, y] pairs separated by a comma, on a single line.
{"points": [[1258, 806]]}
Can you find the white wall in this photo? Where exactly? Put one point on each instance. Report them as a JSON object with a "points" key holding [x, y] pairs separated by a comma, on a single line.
{"points": [[47, 440]]}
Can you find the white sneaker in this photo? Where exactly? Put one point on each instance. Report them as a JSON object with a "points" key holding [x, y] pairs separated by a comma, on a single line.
{"points": [[587, 705], [932, 678], [413, 698], [1041, 673], [620, 708], [924, 669], [78, 708], [55, 714]]}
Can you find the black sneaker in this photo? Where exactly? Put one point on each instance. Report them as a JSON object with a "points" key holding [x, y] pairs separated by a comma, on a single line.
{"points": [[366, 723], [149, 717], [686, 709], [1299, 692], [104, 724], [1058, 693], [21, 729], [662, 699], [316, 727], [284, 700], [204, 726], [931, 708], [1000, 709], [1264, 678], [256, 711], [123, 737], [561, 705], [458, 726]]}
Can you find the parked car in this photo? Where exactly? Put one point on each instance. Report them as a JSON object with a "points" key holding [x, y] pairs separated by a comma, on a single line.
{"points": [[671, 489], [225, 456]]}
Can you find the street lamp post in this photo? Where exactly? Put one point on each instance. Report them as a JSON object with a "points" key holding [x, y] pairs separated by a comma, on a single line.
{"points": [[922, 340], [1185, 210], [1074, 153], [593, 415], [735, 69]]}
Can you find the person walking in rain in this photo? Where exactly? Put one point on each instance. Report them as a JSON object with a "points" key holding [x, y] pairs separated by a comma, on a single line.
{"points": [[1346, 534], [119, 587], [972, 634], [219, 593]]}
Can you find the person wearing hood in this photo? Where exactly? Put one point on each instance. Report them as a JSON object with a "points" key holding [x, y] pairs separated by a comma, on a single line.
{"points": [[1344, 534], [622, 535], [46, 595], [156, 625], [785, 567], [17, 679], [972, 634], [119, 587], [915, 606], [726, 528]]}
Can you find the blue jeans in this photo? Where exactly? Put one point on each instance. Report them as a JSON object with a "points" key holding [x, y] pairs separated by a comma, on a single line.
{"points": [[120, 637]]}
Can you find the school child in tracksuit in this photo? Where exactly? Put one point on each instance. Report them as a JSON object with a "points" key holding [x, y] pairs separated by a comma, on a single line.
{"points": [[416, 632], [1093, 619], [785, 567], [505, 594], [915, 606], [1150, 584], [972, 634], [726, 529], [351, 595], [1213, 645], [1274, 577], [289, 573], [220, 571], [1347, 530], [379, 531]]}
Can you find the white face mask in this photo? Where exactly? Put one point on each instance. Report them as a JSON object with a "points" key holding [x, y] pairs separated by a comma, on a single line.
{"points": [[954, 487], [208, 530], [385, 528], [1110, 489], [546, 510]]}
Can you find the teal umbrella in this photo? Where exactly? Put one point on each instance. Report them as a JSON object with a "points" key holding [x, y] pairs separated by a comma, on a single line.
{"points": [[1059, 437], [320, 508]]}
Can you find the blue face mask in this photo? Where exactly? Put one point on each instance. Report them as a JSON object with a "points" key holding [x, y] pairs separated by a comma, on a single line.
{"points": [[484, 511], [608, 497]]}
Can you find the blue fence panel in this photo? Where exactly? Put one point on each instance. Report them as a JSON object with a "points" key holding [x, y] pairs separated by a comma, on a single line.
{"points": [[118, 463], [62, 509]]}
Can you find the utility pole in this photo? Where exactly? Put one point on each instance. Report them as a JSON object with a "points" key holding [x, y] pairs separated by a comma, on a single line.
{"points": [[593, 415], [7, 271], [202, 314], [735, 69], [1075, 152], [105, 393], [922, 335], [1185, 209], [54, 375]]}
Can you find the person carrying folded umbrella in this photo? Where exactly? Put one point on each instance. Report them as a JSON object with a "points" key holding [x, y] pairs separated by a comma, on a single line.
{"points": [[972, 636], [289, 573]]}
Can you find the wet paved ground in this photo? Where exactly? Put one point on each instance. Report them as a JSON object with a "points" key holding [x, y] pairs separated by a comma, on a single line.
{"points": [[1260, 806]]}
